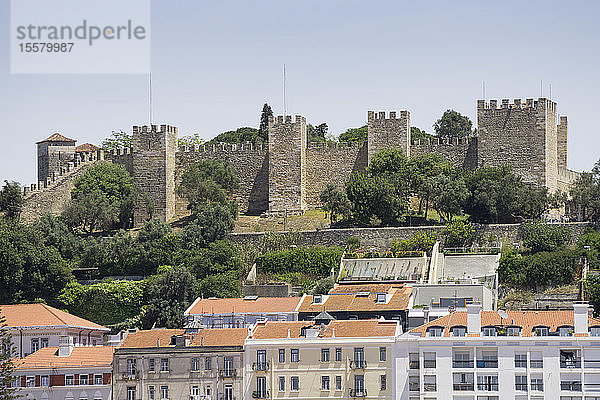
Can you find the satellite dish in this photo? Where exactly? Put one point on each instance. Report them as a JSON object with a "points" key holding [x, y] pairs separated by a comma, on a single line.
{"points": [[503, 314]]}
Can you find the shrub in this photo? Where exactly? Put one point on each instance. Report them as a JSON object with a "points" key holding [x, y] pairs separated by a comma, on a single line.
{"points": [[317, 261], [420, 241], [459, 234], [545, 237], [352, 243]]}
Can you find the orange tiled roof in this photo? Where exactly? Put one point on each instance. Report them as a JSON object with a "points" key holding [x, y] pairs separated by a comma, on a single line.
{"points": [[150, 338], [365, 287], [86, 147], [206, 337], [527, 320], [239, 305], [57, 137], [93, 356], [349, 301], [42, 315], [346, 328]]}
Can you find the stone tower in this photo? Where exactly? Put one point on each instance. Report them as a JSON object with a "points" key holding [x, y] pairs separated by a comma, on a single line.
{"points": [[154, 171], [287, 165], [563, 133], [523, 136], [388, 133], [53, 153]]}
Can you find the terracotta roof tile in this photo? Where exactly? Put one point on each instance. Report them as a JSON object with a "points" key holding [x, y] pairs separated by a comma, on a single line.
{"points": [[349, 301], [347, 328], [365, 287], [239, 305], [206, 337], [57, 137], [86, 147], [527, 320], [93, 356], [150, 338], [37, 314]]}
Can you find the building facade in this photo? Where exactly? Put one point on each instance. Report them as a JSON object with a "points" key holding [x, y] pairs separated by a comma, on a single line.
{"points": [[166, 364]]}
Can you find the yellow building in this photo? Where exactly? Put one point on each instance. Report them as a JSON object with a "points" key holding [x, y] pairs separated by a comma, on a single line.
{"points": [[340, 359]]}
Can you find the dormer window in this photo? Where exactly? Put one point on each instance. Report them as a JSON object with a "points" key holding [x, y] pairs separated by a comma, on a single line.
{"points": [[318, 299], [513, 331], [459, 331], [435, 331], [489, 331], [565, 331], [381, 298], [540, 331]]}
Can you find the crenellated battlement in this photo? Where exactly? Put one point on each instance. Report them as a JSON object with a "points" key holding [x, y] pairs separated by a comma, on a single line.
{"points": [[125, 151], [281, 120], [516, 104], [224, 147], [442, 141], [381, 115], [334, 145], [154, 128]]}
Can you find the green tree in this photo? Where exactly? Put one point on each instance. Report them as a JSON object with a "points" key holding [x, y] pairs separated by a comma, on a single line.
{"points": [[374, 200], [448, 194], [590, 243], [585, 195], [592, 292], [425, 168], [90, 211], [539, 237], [316, 133], [7, 366], [418, 134], [323, 286], [11, 200], [263, 130], [453, 124], [335, 202], [213, 221], [220, 285], [169, 295], [240, 135], [117, 140], [53, 231], [190, 141], [459, 233], [359, 135]]}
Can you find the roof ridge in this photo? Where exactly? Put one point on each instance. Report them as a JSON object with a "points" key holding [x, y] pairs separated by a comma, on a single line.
{"points": [[48, 308]]}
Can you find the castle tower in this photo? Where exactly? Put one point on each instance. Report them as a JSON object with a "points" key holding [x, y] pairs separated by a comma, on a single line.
{"points": [[523, 136], [154, 171], [388, 133], [53, 153], [287, 165], [563, 132]]}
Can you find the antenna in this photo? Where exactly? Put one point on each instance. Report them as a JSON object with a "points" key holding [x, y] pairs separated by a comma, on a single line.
{"points": [[541, 88], [284, 106], [550, 87], [150, 100], [483, 89]]}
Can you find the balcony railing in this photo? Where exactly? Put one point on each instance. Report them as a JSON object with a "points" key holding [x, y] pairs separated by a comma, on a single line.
{"points": [[536, 363], [464, 387], [429, 364], [228, 373], [574, 386], [592, 363], [488, 387], [429, 387], [358, 393], [570, 363], [413, 386], [462, 363], [487, 363], [358, 364], [413, 364], [227, 397], [260, 394], [261, 366], [130, 376]]}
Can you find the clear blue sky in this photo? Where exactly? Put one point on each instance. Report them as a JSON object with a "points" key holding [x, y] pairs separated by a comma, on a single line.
{"points": [[215, 63]]}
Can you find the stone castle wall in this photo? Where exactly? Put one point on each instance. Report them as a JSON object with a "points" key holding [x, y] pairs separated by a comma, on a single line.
{"points": [[392, 132], [122, 157], [461, 152], [562, 141]]}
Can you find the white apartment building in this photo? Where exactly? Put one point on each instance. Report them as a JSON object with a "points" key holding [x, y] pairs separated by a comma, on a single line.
{"points": [[489, 355]]}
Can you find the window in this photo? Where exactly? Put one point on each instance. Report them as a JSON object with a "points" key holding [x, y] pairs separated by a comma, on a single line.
{"points": [[521, 360], [429, 383], [151, 395], [282, 384], [318, 299], [413, 383], [151, 365], [569, 359], [228, 366], [513, 331], [338, 382], [194, 392], [462, 359], [195, 364], [228, 392], [324, 383], [571, 386], [261, 360], [381, 297], [208, 390], [35, 345], [489, 359], [459, 331], [540, 331], [261, 387], [45, 380], [338, 354], [489, 331], [17, 382], [281, 355], [537, 384], [207, 365], [131, 393], [43, 342], [359, 385], [463, 382], [413, 360], [30, 382], [435, 331], [294, 383], [536, 360], [324, 355], [294, 355], [69, 380], [98, 379], [84, 379], [164, 392], [565, 331], [382, 354], [595, 331], [429, 360], [164, 365], [383, 382], [487, 383], [131, 366], [521, 382]]}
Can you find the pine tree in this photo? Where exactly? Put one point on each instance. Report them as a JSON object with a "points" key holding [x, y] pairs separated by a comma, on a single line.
{"points": [[7, 366], [263, 130]]}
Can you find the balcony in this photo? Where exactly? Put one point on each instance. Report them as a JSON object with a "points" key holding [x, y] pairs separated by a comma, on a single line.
{"points": [[575, 363], [261, 366], [260, 394], [487, 363], [464, 387], [358, 393], [413, 364], [227, 397], [130, 376], [429, 387], [358, 364], [570, 386], [592, 363], [462, 363], [413, 386], [487, 387], [536, 364], [229, 373]]}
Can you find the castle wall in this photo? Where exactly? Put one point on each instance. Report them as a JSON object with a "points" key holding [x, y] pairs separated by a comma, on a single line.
{"points": [[327, 164], [122, 157], [52, 156], [250, 163], [388, 133], [520, 135], [461, 152], [562, 139]]}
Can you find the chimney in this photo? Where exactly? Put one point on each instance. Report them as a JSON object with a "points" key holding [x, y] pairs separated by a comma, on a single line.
{"points": [[474, 319], [580, 317], [65, 346]]}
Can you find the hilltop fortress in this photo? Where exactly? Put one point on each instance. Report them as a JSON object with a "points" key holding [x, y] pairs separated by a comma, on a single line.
{"points": [[288, 174]]}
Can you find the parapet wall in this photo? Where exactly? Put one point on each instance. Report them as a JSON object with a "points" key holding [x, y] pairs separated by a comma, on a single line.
{"points": [[121, 156], [331, 163], [461, 152], [251, 166], [388, 132]]}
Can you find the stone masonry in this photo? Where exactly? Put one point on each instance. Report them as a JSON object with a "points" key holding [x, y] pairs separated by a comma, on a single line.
{"points": [[287, 175]]}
